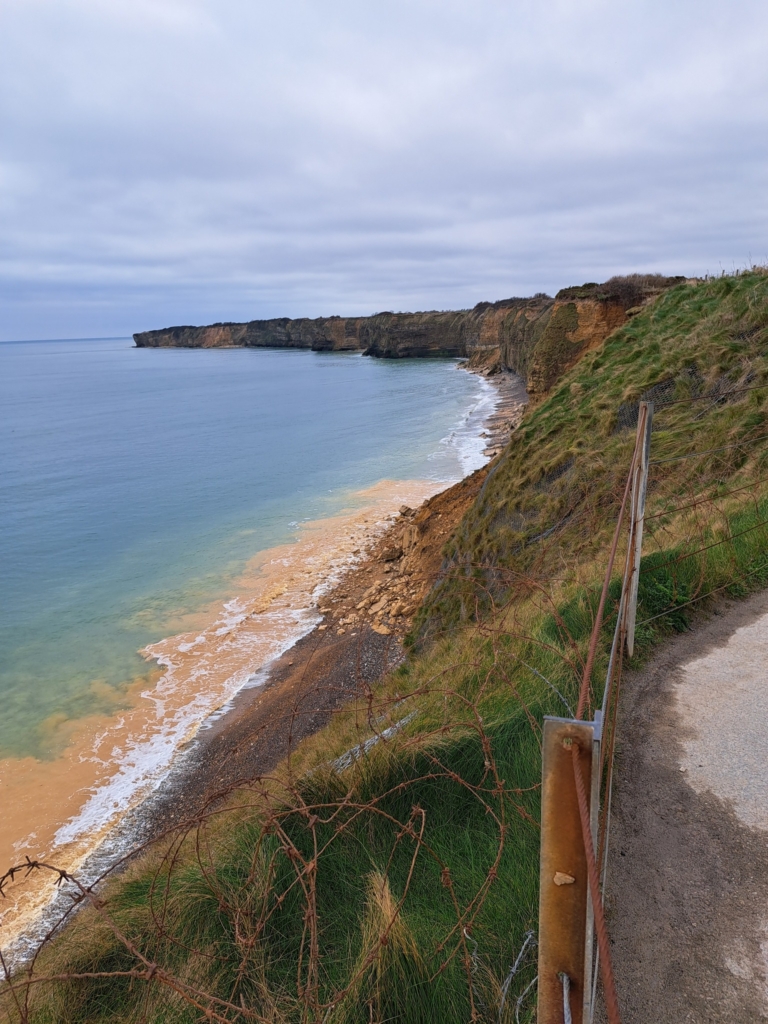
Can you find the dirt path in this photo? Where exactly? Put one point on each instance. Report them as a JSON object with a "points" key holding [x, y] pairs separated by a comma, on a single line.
{"points": [[687, 889]]}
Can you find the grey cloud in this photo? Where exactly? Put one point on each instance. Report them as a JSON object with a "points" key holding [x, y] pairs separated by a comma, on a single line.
{"points": [[185, 160]]}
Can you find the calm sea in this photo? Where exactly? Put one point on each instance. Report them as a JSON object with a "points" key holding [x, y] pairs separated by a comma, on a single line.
{"points": [[136, 483]]}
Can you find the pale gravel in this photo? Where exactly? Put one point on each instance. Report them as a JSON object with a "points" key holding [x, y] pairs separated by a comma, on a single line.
{"points": [[687, 890], [722, 700]]}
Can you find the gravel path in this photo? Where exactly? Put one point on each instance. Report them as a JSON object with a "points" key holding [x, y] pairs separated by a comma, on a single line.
{"points": [[687, 890]]}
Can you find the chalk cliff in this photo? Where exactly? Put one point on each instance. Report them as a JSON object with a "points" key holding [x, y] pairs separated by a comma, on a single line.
{"points": [[539, 337]]}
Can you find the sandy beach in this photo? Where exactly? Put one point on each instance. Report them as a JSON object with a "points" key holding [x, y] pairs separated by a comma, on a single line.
{"points": [[312, 624]]}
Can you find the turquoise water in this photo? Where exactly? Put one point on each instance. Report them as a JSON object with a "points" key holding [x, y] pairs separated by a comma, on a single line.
{"points": [[136, 483]]}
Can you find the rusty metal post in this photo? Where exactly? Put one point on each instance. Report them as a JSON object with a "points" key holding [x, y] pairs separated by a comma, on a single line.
{"points": [[564, 895]]}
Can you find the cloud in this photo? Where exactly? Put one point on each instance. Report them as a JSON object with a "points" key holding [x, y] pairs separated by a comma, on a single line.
{"points": [[179, 161]]}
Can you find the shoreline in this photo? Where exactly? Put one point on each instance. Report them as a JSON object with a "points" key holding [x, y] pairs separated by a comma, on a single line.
{"points": [[319, 672], [294, 694], [80, 809]]}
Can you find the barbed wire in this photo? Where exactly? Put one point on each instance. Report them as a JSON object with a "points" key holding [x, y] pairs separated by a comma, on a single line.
{"points": [[714, 396], [706, 501], [710, 451], [754, 494]]}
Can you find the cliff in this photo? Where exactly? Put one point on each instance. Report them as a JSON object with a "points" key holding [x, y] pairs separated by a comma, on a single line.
{"points": [[332, 334], [539, 337]]}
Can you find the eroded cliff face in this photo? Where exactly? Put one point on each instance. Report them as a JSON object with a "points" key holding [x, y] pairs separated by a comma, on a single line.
{"points": [[398, 335], [493, 335], [506, 333], [332, 334], [572, 328], [539, 337]]}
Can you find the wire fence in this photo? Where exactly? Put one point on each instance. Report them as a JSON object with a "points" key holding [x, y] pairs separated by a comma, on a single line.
{"points": [[712, 544]]}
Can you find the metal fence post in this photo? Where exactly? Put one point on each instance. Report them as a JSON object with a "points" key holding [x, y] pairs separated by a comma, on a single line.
{"points": [[564, 896], [639, 488], [594, 819]]}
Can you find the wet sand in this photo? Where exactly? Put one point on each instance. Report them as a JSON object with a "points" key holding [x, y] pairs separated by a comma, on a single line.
{"points": [[329, 666], [350, 648], [62, 809]]}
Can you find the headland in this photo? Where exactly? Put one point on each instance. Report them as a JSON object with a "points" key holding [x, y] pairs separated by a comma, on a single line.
{"points": [[538, 338]]}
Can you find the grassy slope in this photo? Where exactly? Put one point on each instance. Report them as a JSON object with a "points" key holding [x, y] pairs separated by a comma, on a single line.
{"points": [[444, 815]]}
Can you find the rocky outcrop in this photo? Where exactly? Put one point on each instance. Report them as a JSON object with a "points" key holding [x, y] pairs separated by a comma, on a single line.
{"points": [[395, 335], [492, 334], [539, 337], [571, 329]]}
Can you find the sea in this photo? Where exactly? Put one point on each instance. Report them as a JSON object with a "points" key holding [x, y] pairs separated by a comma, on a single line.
{"points": [[168, 520]]}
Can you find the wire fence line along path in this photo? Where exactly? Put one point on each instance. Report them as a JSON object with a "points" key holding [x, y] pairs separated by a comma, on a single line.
{"points": [[576, 786], [720, 536]]}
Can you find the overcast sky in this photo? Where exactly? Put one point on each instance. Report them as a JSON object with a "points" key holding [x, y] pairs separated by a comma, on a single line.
{"points": [[185, 161]]}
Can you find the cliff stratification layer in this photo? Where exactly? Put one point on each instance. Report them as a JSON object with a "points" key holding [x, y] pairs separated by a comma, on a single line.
{"points": [[539, 337]]}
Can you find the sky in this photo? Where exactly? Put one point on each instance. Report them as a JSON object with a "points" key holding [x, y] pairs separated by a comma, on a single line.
{"points": [[191, 161]]}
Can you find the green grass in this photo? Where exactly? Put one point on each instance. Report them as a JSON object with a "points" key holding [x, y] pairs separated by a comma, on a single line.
{"points": [[700, 326], [402, 887]]}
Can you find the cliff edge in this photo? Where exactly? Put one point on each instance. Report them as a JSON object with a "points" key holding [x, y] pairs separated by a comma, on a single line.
{"points": [[538, 337]]}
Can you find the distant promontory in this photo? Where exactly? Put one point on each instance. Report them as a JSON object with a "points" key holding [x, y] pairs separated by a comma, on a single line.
{"points": [[538, 337]]}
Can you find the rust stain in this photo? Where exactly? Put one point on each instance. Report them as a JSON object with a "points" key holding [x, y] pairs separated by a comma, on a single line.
{"points": [[563, 894]]}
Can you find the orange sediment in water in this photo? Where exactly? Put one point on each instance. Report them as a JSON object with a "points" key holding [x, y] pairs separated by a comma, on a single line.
{"points": [[61, 810]]}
